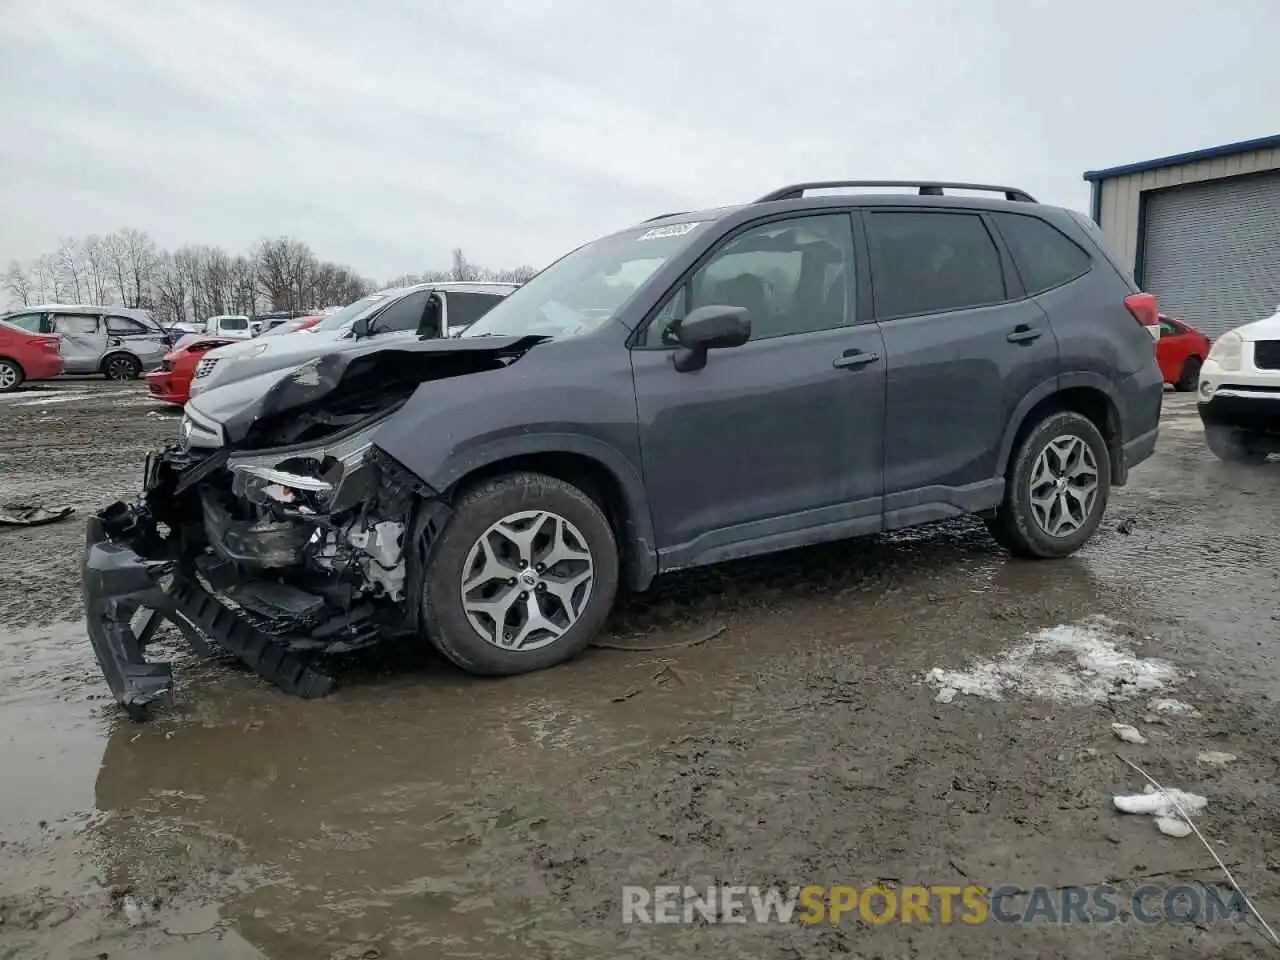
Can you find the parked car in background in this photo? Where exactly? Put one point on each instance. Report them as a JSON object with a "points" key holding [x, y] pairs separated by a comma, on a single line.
{"points": [[232, 326], [1180, 351], [279, 328], [403, 313], [1239, 396], [172, 382], [25, 355], [701, 387], [118, 342]]}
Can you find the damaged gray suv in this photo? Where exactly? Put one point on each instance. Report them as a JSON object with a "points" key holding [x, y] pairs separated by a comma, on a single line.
{"points": [[700, 387]]}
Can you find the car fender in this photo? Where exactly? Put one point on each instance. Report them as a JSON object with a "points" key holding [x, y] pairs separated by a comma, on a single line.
{"points": [[1046, 389]]}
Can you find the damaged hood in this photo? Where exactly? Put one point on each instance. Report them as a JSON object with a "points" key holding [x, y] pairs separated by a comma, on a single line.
{"points": [[363, 365]]}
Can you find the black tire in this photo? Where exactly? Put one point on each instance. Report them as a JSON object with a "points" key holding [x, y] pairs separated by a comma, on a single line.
{"points": [[11, 375], [1014, 525], [447, 624], [121, 366], [1190, 376], [1235, 446]]}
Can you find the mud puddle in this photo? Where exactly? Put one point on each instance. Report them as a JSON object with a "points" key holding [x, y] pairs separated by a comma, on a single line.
{"points": [[421, 813]]}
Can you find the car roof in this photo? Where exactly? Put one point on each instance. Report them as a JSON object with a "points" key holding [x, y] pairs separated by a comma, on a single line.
{"points": [[452, 286], [84, 308]]}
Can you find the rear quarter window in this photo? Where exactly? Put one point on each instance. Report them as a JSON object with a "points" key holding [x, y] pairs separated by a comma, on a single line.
{"points": [[1044, 257]]}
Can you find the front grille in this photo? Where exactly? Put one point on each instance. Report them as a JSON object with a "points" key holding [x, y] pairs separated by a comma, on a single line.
{"points": [[205, 366], [1266, 354]]}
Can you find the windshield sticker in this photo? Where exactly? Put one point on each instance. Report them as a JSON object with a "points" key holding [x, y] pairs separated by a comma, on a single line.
{"points": [[675, 230]]}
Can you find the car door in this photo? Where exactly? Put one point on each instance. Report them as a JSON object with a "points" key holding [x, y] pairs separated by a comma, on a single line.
{"points": [[778, 442], [84, 340], [963, 348], [148, 344]]}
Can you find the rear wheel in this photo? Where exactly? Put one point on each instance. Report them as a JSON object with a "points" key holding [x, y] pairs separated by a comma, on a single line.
{"points": [[523, 577], [121, 366], [11, 375], [1236, 446], [1190, 377], [1056, 489]]}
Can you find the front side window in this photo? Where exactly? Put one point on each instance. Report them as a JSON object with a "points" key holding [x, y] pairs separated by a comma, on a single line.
{"points": [[582, 291], [30, 322], [124, 327], [75, 324], [1043, 257], [929, 262], [792, 276], [404, 314]]}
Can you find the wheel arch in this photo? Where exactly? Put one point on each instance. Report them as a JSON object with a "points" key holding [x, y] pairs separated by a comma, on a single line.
{"points": [[597, 469], [1089, 395], [118, 352]]}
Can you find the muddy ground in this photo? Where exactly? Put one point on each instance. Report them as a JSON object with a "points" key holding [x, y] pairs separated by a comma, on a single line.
{"points": [[419, 812]]}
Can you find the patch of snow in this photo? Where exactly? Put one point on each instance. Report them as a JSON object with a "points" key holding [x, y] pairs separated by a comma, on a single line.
{"points": [[1081, 662], [1175, 707], [1215, 757], [1127, 733], [1164, 806]]}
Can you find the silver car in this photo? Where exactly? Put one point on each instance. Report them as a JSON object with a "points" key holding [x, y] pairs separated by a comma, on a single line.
{"points": [[424, 309], [118, 342]]}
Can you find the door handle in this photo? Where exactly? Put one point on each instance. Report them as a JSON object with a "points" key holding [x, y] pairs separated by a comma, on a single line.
{"points": [[854, 359], [1024, 334]]}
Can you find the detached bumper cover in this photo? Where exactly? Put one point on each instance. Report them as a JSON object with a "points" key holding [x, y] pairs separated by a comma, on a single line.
{"points": [[1254, 410], [131, 586]]}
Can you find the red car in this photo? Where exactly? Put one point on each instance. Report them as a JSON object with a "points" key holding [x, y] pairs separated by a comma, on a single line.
{"points": [[27, 356], [1180, 352], [172, 382]]}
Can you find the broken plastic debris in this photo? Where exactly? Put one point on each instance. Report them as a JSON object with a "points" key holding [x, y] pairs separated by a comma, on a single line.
{"points": [[1163, 805], [132, 911], [1128, 733], [1215, 757], [32, 514], [1175, 707]]}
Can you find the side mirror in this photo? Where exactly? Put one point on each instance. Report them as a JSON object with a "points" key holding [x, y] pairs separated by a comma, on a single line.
{"points": [[713, 327], [361, 328]]}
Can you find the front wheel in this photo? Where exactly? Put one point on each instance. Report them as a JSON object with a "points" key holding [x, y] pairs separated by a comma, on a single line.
{"points": [[523, 576], [1056, 489], [1190, 377], [11, 376], [1235, 446]]}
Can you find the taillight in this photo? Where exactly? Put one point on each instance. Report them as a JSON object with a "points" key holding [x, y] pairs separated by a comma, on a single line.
{"points": [[51, 344], [1146, 311], [309, 322]]}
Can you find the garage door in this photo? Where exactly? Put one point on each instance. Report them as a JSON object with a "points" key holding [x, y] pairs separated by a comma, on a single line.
{"points": [[1212, 252]]}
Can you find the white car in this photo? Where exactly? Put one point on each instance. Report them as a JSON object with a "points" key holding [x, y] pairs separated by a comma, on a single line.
{"points": [[1239, 396], [424, 309]]}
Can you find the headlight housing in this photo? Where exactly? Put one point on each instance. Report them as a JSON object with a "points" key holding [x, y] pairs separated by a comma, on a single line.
{"points": [[1228, 351], [255, 351]]}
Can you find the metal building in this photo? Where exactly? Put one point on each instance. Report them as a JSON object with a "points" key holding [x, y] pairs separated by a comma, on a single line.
{"points": [[1201, 229]]}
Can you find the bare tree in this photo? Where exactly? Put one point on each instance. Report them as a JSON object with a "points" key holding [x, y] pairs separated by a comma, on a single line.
{"points": [[244, 286], [48, 279], [19, 283], [140, 258], [70, 265], [462, 268], [97, 268], [169, 285], [285, 268]]}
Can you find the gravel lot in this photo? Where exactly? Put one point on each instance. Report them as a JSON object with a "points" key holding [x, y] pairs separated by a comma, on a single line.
{"points": [[418, 812]]}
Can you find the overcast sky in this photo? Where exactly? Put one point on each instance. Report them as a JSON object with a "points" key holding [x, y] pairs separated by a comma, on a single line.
{"points": [[388, 132]]}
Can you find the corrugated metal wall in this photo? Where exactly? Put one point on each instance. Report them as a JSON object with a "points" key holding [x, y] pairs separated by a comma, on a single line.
{"points": [[1120, 196]]}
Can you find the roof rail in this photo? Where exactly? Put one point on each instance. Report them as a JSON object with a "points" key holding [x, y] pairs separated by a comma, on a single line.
{"points": [[663, 216], [928, 188]]}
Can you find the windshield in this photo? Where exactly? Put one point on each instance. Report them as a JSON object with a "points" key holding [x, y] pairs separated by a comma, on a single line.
{"points": [[336, 321], [580, 292]]}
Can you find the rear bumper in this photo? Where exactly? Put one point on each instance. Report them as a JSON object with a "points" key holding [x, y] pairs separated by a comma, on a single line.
{"points": [[42, 366]]}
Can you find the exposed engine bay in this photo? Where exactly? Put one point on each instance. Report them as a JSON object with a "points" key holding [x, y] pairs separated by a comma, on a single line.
{"points": [[296, 539]]}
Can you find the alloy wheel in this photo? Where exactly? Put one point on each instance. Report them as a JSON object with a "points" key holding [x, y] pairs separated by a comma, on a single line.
{"points": [[8, 377], [526, 580], [1064, 485]]}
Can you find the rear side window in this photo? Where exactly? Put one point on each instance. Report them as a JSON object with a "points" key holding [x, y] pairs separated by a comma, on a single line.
{"points": [[124, 327], [30, 322], [1044, 257], [929, 262], [466, 308]]}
